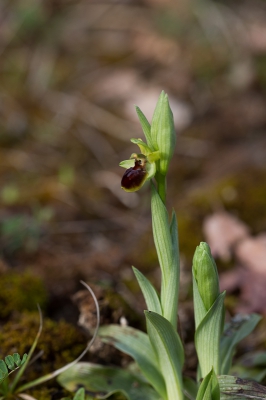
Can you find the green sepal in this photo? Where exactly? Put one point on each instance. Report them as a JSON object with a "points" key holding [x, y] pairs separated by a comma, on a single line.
{"points": [[153, 157], [146, 127], [144, 148], [127, 163], [155, 123], [151, 170]]}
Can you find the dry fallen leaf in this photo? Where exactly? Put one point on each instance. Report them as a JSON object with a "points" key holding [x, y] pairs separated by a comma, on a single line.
{"points": [[222, 231], [252, 253], [250, 276]]}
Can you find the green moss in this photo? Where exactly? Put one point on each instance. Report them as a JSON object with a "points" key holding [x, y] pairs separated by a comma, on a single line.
{"points": [[60, 342], [251, 197], [243, 194], [190, 233], [21, 292]]}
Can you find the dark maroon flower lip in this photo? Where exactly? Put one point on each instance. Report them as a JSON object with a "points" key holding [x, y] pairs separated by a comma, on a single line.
{"points": [[134, 177]]}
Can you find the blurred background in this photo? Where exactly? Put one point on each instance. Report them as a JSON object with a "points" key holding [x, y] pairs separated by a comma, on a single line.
{"points": [[71, 73]]}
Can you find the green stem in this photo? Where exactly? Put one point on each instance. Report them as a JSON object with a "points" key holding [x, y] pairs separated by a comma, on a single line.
{"points": [[161, 186]]}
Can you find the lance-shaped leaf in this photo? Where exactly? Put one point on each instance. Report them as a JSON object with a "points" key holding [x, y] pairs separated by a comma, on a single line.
{"points": [[135, 343], [80, 394], [207, 338], [209, 388], [239, 327], [234, 388], [167, 257], [101, 382], [199, 308], [251, 365], [190, 388], [170, 353], [146, 127], [150, 295], [174, 282]]}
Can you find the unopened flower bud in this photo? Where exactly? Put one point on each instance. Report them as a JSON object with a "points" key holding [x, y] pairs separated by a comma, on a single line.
{"points": [[163, 132], [206, 275]]}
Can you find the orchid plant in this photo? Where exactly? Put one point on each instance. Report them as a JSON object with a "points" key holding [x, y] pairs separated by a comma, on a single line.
{"points": [[157, 371]]}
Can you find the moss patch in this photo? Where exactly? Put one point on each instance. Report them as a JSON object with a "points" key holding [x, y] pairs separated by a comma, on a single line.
{"points": [[21, 293], [60, 342]]}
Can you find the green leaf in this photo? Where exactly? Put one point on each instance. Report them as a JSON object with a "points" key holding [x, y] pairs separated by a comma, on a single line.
{"points": [[254, 359], [207, 338], [234, 332], [163, 243], [190, 388], [173, 283], [102, 382], [146, 127], [170, 353], [17, 359], [3, 367], [3, 376], [209, 388], [10, 362], [135, 343], [149, 293], [199, 308], [80, 394], [24, 358], [235, 388], [255, 373]]}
